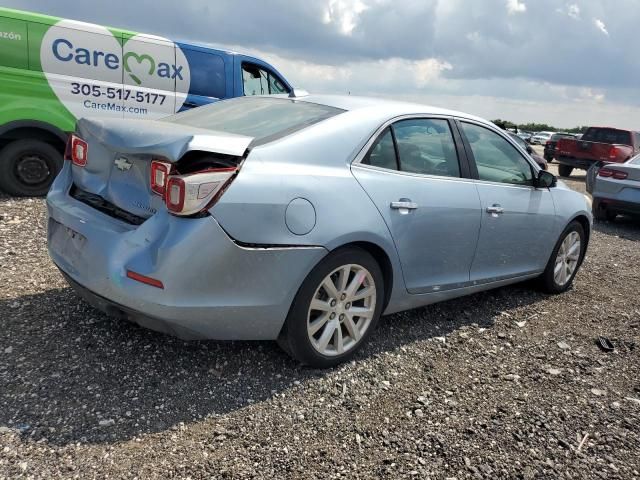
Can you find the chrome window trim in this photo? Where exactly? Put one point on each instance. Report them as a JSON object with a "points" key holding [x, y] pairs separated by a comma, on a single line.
{"points": [[412, 174], [357, 161]]}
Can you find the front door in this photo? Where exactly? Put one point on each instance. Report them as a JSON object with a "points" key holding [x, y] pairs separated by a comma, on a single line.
{"points": [[516, 235], [412, 174]]}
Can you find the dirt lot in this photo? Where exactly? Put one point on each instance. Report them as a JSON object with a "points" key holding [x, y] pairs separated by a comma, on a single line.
{"points": [[503, 384]]}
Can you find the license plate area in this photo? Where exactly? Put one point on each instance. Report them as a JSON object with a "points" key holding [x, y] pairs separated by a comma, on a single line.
{"points": [[68, 245]]}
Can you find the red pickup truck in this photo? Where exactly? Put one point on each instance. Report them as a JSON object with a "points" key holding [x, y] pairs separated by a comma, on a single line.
{"points": [[598, 144]]}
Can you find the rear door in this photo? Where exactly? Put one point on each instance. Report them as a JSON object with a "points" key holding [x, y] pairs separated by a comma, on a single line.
{"points": [[518, 220], [208, 77], [152, 68], [413, 174]]}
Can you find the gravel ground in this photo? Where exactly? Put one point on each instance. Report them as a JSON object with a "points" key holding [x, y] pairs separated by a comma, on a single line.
{"points": [[503, 384]]}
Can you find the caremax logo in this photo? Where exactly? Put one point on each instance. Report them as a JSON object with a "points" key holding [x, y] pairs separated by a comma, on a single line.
{"points": [[65, 51]]}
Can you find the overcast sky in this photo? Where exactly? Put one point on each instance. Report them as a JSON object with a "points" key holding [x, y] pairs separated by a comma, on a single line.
{"points": [[562, 62]]}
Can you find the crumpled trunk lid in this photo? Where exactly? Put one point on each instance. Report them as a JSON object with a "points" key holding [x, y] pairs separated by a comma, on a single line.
{"points": [[120, 154]]}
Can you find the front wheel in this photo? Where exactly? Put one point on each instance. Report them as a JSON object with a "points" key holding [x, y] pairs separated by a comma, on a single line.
{"points": [[565, 170], [335, 310], [565, 260], [28, 167]]}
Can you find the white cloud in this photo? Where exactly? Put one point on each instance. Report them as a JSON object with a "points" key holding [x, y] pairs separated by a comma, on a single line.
{"points": [[344, 13], [516, 6], [601, 26], [574, 11], [590, 94]]}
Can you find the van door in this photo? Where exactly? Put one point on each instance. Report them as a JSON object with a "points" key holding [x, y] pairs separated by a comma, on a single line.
{"points": [[151, 69], [208, 77], [81, 63]]}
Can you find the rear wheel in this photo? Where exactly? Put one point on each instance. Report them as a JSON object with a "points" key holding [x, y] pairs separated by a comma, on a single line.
{"points": [[28, 167], [335, 310], [565, 260], [565, 170]]}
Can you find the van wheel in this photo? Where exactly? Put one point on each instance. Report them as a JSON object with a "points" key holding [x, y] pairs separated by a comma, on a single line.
{"points": [[28, 167], [565, 170], [335, 310], [565, 260]]}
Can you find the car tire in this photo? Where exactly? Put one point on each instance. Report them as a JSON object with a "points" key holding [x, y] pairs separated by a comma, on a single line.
{"points": [[553, 279], [602, 213], [565, 170], [28, 167], [314, 336]]}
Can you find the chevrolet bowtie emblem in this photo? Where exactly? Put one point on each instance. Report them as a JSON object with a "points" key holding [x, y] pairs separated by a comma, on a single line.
{"points": [[123, 164]]}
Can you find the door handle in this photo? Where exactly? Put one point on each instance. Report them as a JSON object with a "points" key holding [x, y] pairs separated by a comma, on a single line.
{"points": [[495, 210], [404, 204]]}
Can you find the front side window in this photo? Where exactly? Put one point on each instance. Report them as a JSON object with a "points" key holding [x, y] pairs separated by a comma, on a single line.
{"points": [[496, 159], [426, 146], [259, 81]]}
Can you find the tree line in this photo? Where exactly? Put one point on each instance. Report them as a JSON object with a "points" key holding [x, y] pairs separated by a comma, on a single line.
{"points": [[537, 127]]}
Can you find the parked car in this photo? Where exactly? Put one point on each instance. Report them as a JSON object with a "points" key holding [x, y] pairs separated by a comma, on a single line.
{"points": [[540, 138], [542, 163], [304, 219], [597, 145], [54, 71], [550, 145], [526, 136], [616, 190]]}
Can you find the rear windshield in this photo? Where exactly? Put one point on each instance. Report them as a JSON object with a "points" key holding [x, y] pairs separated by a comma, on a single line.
{"points": [[264, 119], [607, 135], [558, 136]]}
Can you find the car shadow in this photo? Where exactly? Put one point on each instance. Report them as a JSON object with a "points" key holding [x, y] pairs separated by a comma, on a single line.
{"points": [[624, 226], [70, 374]]}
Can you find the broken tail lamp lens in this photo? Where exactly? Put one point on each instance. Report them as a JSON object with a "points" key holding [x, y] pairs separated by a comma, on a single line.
{"points": [[159, 174], [76, 151], [192, 193]]}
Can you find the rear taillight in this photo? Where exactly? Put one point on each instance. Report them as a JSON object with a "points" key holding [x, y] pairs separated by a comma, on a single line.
{"points": [[611, 173], [194, 192], [77, 151], [159, 173], [613, 152]]}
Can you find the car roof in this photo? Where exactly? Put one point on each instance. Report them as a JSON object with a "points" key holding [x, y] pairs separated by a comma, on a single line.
{"points": [[383, 106]]}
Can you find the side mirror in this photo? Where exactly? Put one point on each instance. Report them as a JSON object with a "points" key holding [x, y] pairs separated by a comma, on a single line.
{"points": [[545, 179]]}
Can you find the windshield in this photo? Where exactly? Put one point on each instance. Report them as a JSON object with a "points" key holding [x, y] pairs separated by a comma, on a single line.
{"points": [[607, 135], [264, 119]]}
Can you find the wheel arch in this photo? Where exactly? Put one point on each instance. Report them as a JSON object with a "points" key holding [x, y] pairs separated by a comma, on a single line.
{"points": [[380, 256], [33, 129], [583, 220]]}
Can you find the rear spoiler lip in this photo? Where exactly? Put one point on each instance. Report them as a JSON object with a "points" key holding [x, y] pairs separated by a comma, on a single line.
{"points": [[161, 139]]}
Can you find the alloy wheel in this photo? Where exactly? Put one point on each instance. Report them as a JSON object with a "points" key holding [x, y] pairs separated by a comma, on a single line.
{"points": [[567, 258], [341, 310]]}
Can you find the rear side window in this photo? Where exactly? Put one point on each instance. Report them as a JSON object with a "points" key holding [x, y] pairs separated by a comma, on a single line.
{"points": [[264, 119], [13, 43], [207, 73], [383, 152], [426, 146], [607, 135], [635, 160]]}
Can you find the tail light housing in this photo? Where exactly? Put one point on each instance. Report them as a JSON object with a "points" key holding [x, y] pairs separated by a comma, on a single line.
{"points": [[159, 175], [194, 192], [76, 151], [612, 173], [613, 152], [548, 142]]}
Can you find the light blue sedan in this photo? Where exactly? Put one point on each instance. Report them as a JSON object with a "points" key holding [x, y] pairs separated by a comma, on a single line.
{"points": [[304, 219]]}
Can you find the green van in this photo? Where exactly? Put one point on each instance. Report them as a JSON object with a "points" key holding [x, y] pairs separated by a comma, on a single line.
{"points": [[54, 71]]}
